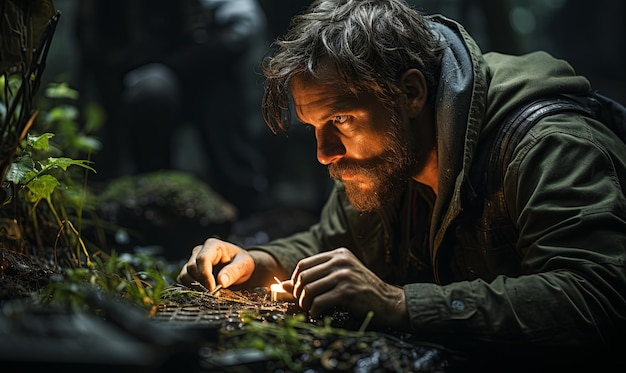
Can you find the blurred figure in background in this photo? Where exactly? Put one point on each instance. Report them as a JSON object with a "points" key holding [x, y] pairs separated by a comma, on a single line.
{"points": [[156, 65]]}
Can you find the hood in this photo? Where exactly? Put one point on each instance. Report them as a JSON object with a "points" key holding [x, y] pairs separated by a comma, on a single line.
{"points": [[459, 109]]}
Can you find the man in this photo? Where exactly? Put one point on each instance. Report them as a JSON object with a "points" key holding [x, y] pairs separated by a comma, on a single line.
{"points": [[400, 105]]}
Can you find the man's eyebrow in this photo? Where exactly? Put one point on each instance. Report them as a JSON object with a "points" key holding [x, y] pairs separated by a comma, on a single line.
{"points": [[340, 104], [338, 107]]}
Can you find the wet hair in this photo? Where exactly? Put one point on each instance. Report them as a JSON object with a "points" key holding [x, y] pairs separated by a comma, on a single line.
{"points": [[370, 43]]}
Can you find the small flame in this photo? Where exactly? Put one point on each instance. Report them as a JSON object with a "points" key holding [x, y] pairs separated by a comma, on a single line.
{"points": [[278, 293], [277, 287]]}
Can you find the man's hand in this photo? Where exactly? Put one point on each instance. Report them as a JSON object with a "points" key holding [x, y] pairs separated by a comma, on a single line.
{"points": [[232, 264], [338, 278]]}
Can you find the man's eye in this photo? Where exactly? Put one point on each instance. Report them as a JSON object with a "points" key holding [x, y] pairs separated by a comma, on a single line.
{"points": [[341, 118]]}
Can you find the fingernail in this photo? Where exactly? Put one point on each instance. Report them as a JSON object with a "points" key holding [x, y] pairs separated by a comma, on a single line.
{"points": [[224, 279]]}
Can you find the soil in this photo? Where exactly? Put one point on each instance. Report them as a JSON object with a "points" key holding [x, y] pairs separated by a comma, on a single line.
{"points": [[325, 344], [21, 275]]}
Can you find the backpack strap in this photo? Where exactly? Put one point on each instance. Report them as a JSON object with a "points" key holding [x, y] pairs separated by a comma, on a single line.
{"points": [[514, 128], [486, 184]]}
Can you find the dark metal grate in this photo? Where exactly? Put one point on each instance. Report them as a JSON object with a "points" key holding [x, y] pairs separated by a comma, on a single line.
{"points": [[194, 315]]}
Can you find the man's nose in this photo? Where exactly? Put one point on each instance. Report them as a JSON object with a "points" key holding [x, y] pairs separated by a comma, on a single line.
{"points": [[329, 146]]}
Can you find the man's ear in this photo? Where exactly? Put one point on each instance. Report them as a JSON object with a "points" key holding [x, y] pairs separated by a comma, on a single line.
{"points": [[413, 84]]}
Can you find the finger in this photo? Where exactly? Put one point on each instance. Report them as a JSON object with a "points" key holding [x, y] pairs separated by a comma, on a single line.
{"points": [[323, 304], [200, 265], [204, 275], [287, 286], [342, 256], [307, 277], [188, 272], [214, 253], [308, 263], [307, 293], [184, 277], [237, 271]]}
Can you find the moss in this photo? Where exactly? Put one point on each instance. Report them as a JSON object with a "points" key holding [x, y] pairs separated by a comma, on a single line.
{"points": [[179, 193], [167, 208]]}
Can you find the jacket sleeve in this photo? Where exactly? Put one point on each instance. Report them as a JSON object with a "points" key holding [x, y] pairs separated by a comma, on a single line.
{"points": [[565, 191]]}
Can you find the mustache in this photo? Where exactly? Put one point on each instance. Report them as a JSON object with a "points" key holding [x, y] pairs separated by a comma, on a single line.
{"points": [[364, 167]]}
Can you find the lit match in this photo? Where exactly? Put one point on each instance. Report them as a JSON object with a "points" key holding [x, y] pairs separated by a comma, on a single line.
{"points": [[279, 294]]}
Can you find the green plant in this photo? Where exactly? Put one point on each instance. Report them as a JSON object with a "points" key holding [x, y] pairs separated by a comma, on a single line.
{"points": [[36, 180], [137, 279], [294, 342], [45, 168]]}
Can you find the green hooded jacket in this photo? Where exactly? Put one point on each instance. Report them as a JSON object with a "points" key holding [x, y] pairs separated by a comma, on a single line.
{"points": [[562, 283]]}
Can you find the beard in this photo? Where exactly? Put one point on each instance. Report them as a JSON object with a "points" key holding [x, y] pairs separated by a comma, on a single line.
{"points": [[388, 173]]}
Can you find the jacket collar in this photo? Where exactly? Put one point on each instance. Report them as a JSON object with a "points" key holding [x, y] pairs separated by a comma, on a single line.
{"points": [[460, 107]]}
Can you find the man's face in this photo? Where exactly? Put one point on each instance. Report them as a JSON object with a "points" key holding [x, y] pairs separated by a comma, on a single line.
{"points": [[371, 150]]}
